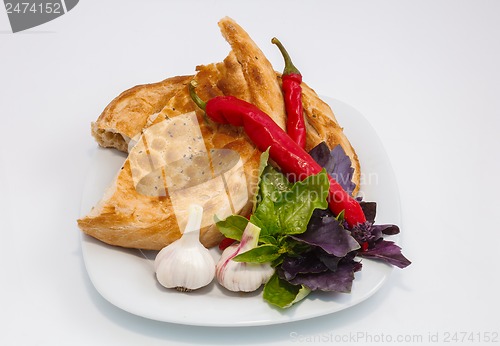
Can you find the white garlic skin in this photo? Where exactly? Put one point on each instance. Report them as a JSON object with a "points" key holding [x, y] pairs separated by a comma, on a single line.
{"points": [[184, 267], [241, 276], [186, 264]]}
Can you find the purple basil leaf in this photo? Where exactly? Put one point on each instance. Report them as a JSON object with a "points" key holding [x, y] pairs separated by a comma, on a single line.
{"points": [[370, 210], [337, 164], [387, 251], [387, 229], [321, 154], [366, 233], [337, 281], [330, 261], [292, 266], [327, 233]]}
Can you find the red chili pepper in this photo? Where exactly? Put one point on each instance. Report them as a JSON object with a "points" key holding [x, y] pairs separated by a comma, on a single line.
{"points": [[292, 159], [226, 242], [292, 92]]}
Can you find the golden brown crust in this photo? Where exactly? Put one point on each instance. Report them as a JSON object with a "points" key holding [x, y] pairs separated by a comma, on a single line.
{"points": [[127, 218], [118, 221], [258, 73], [129, 112]]}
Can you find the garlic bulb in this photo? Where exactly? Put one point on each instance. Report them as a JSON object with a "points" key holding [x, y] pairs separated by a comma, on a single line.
{"points": [[242, 276], [186, 264]]}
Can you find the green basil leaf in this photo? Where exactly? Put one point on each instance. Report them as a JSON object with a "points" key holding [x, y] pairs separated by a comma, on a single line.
{"points": [[268, 239], [297, 205], [233, 226], [341, 216], [293, 247], [267, 216], [282, 293], [273, 184], [260, 254], [264, 158]]}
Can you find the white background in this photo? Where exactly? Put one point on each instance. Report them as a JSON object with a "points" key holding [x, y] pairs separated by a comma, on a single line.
{"points": [[425, 74]]}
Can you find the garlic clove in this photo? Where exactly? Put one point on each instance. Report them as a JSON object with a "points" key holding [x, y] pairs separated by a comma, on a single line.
{"points": [[185, 268], [195, 215], [241, 276], [186, 264]]}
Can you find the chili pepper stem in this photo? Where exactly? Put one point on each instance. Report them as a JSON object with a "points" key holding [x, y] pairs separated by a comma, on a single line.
{"points": [[199, 102], [289, 66]]}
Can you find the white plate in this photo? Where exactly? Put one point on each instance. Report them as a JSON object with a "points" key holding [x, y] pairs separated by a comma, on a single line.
{"points": [[126, 278]]}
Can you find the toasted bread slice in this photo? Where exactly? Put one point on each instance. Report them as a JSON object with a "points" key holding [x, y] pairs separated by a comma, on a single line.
{"points": [[130, 111], [130, 218]]}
